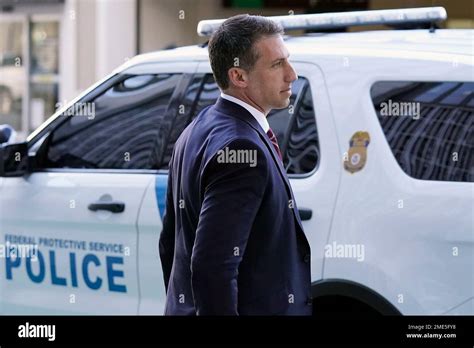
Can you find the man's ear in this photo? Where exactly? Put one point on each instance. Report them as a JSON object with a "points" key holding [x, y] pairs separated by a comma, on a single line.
{"points": [[237, 77]]}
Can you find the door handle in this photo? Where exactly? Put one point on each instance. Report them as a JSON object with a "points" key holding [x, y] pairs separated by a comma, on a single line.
{"points": [[114, 207], [305, 214]]}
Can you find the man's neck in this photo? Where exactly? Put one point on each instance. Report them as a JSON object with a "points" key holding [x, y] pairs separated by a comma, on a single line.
{"points": [[246, 99]]}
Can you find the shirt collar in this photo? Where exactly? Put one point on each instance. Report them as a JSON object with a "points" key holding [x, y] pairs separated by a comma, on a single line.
{"points": [[258, 115]]}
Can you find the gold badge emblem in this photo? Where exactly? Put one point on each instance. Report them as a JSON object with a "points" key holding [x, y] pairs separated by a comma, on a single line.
{"points": [[357, 154]]}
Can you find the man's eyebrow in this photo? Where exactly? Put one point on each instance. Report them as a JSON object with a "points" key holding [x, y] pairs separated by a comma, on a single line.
{"points": [[278, 59]]}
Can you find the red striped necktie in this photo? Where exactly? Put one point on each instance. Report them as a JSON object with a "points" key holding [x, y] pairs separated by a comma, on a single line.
{"points": [[274, 141]]}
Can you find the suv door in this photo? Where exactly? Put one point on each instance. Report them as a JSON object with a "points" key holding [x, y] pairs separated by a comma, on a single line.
{"points": [[312, 159], [152, 288], [81, 204]]}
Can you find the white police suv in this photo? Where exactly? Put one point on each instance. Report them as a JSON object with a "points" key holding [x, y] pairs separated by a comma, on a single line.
{"points": [[377, 141]]}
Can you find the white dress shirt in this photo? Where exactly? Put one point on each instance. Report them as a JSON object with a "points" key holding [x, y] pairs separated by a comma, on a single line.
{"points": [[259, 116]]}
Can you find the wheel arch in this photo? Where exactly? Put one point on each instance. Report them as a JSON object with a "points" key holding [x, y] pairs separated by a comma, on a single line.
{"points": [[353, 290]]}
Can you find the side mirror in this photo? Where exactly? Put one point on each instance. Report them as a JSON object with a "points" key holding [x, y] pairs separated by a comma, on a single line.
{"points": [[13, 159], [7, 134]]}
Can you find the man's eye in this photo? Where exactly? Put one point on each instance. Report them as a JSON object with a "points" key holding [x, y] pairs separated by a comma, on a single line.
{"points": [[277, 64]]}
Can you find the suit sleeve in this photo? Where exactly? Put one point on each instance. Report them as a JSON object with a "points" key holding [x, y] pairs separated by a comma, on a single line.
{"points": [[232, 197], [167, 236]]}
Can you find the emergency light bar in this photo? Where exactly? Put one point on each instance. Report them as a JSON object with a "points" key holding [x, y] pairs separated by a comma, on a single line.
{"points": [[343, 19]]}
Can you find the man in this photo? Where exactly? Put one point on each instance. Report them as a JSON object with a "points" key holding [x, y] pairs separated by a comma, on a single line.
{"points": [[232, 240]]}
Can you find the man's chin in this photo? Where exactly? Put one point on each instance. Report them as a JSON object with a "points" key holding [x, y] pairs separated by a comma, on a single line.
{"points": [[282, 105]]}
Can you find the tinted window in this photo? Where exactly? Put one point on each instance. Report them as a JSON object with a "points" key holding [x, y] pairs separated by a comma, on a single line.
{"points": [[125, 127], [429, 127], [184, 112], [208, 93], [295, 126]]}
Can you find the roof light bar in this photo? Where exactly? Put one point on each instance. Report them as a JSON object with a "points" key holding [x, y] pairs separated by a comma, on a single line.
{"points": [[343, 19]]}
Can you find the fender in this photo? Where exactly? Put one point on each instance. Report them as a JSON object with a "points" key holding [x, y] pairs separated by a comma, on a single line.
{"points": [[347, 288]]}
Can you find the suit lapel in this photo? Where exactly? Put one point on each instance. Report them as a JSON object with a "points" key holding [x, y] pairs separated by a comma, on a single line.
{"points": [[235, 110]]}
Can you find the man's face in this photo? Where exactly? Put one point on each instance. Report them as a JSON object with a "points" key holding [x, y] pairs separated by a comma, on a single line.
{"points": [[269, 82]]}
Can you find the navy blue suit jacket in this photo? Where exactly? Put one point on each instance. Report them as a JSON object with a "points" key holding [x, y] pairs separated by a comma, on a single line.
{"points": [[232, 241]]}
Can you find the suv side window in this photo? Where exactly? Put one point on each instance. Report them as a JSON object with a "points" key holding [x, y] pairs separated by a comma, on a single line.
{"points": [[429, 127], [124, 127], [207, 94], [184, 114], [295, 126]]}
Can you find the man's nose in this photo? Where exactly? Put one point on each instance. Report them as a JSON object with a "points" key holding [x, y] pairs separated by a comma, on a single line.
{"points": [[291, 74]]}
